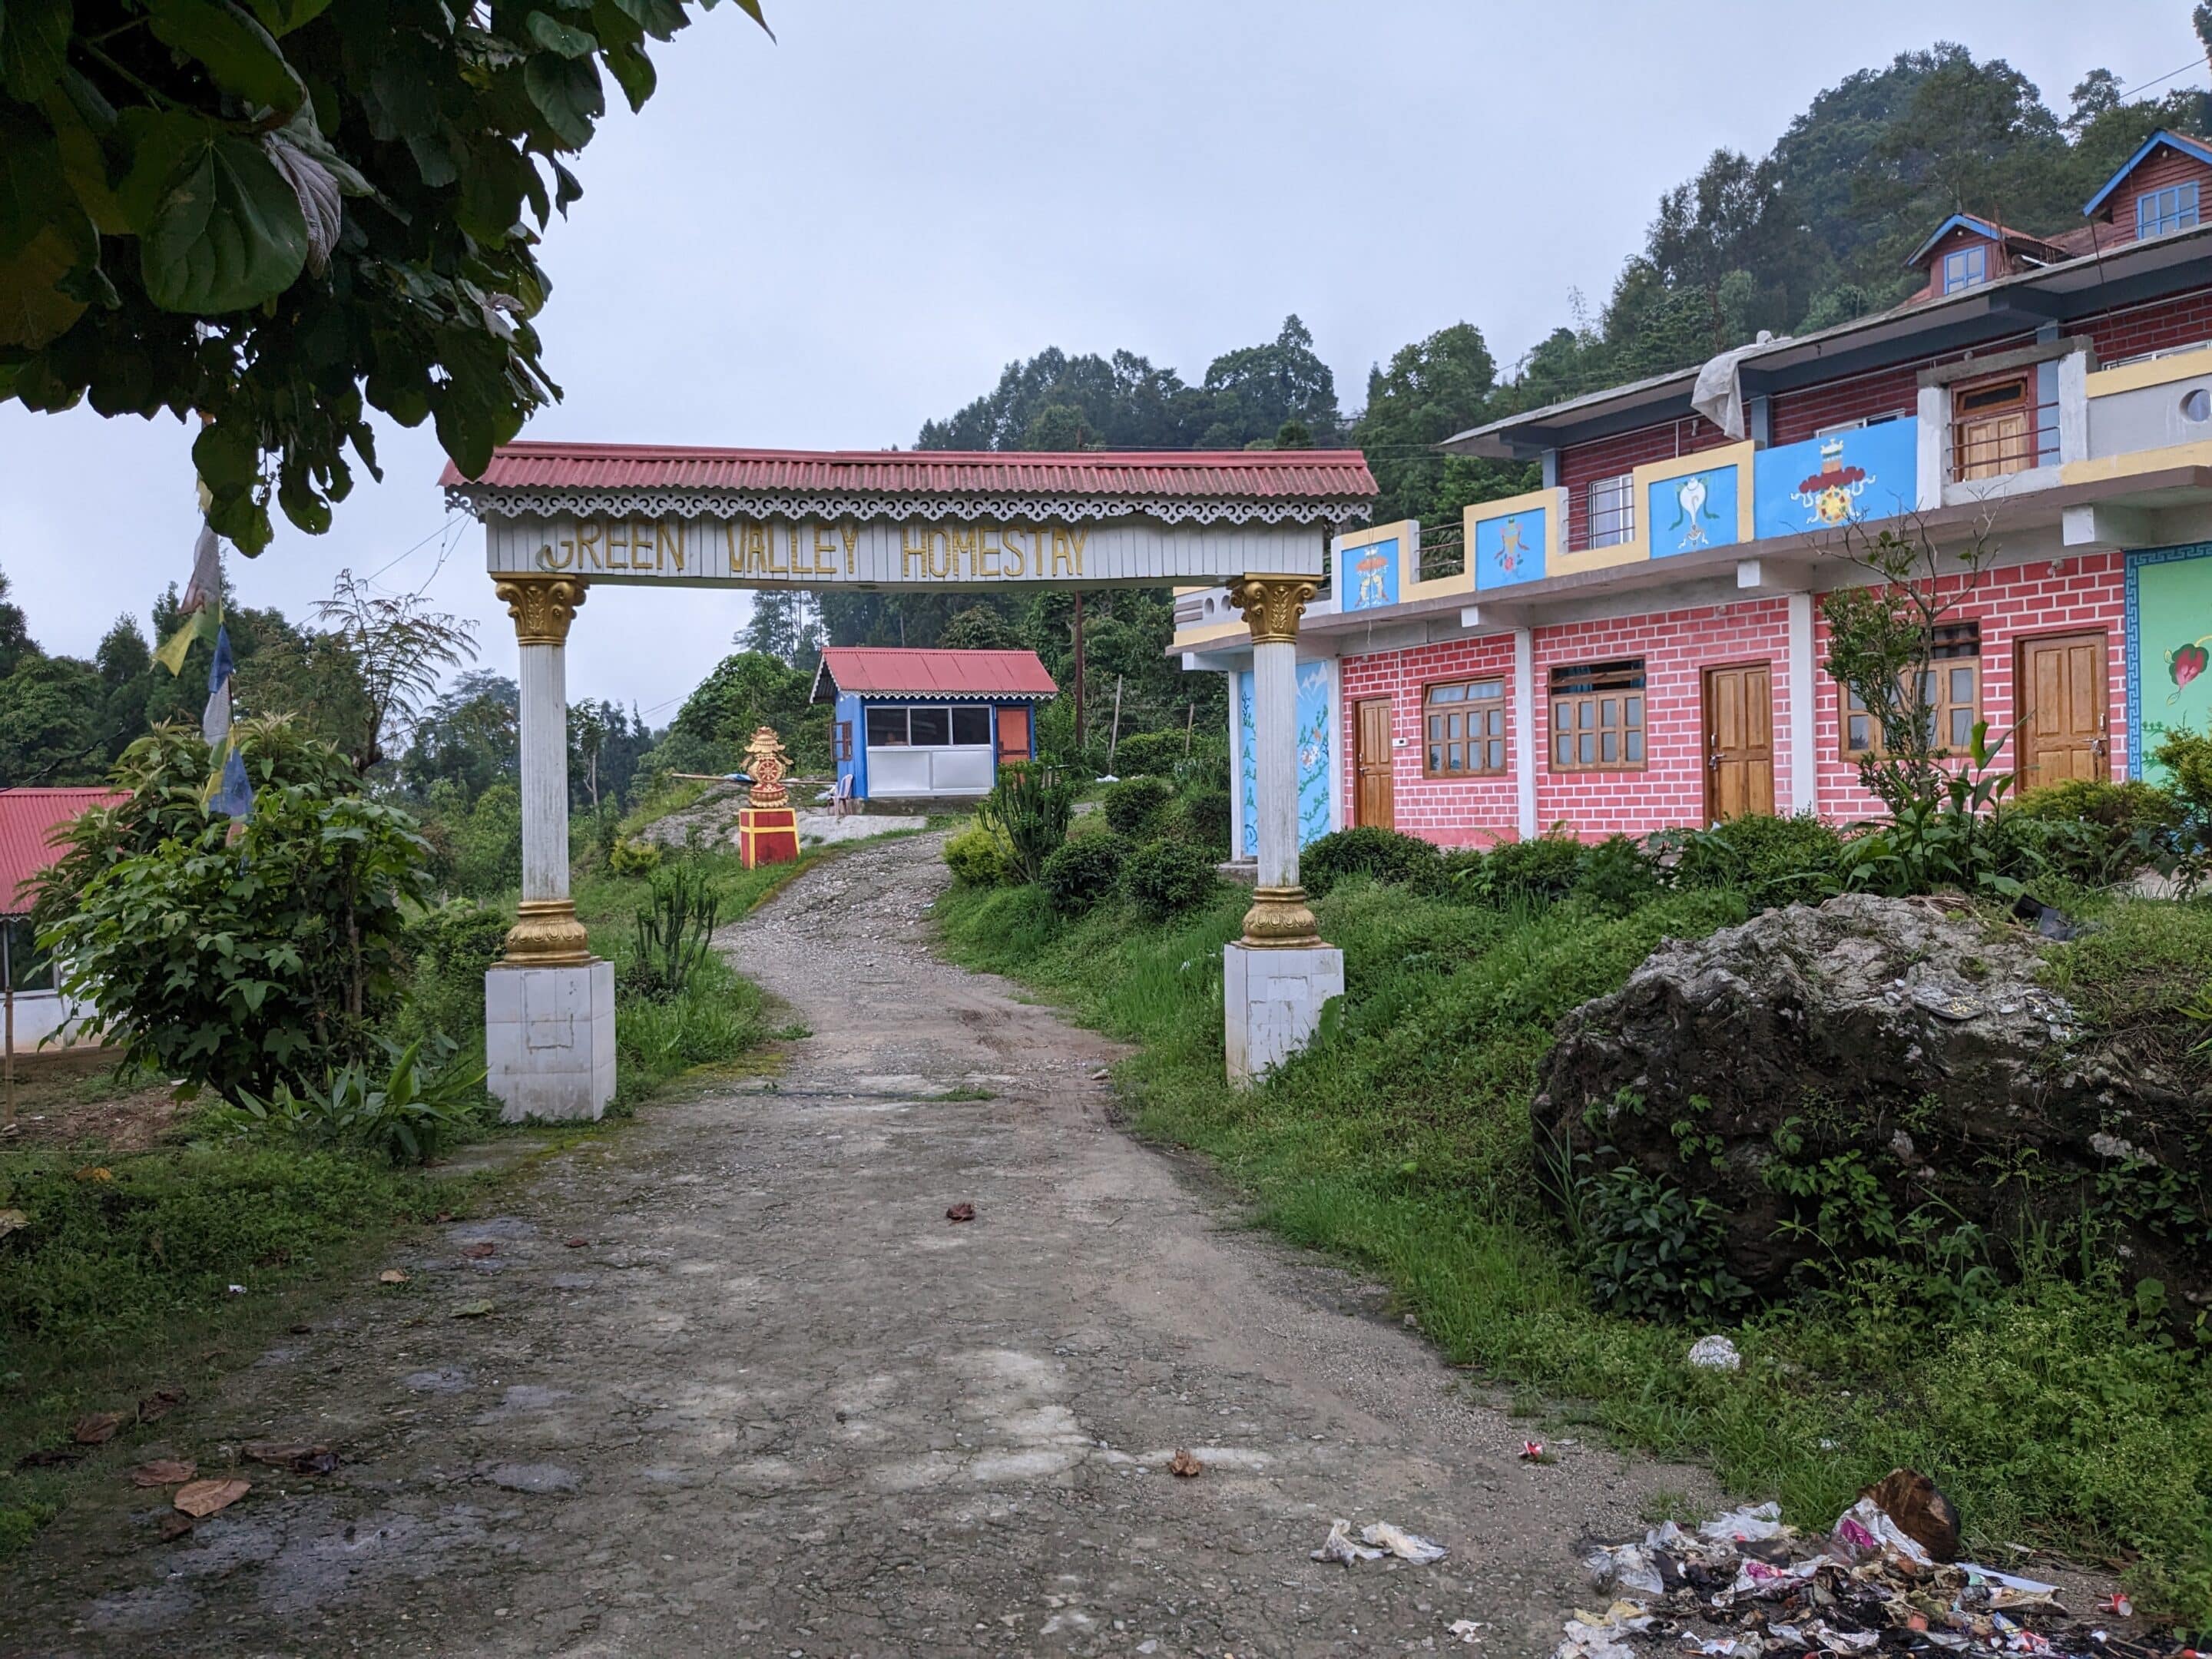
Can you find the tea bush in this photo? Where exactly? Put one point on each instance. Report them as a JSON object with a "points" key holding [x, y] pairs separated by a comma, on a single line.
{"points": [[1773, 860], [1535, 871], [1365, 850], [977, 858], [1082, 873], [1134, 807], [1165, 878]]}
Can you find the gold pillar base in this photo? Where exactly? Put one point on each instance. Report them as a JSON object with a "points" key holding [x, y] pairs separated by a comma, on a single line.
{"points": [[546, 934], [1279, 920]]}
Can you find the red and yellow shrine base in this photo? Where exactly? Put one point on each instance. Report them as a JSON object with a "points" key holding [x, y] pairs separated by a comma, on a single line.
{"points": [[767, 835]]}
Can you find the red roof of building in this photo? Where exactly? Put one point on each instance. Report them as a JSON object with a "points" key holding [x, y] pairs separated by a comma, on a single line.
{"points": [[1297, 474], [29, 819], [890, 670]]}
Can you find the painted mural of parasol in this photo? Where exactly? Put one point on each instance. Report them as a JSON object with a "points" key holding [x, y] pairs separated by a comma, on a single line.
{"points": [[1831, 494], [1373, 565]]}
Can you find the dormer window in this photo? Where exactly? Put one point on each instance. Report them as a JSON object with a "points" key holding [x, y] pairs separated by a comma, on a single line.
{"points": [[2158, 211], [1967, 267]]}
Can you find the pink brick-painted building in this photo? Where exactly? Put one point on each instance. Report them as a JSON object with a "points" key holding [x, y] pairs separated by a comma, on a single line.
{"points": [[1640, 642]]}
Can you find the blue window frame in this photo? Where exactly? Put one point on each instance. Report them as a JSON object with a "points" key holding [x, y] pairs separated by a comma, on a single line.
{"points": [[1968, 266], [2158, 211]]}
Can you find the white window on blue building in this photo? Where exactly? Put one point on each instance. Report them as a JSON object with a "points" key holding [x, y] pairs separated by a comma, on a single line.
{"points": [[2158, 211], [1612, 511], [1966, 268]]}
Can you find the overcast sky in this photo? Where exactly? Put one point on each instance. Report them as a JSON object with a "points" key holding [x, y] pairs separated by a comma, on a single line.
{"points": [[820, 243]]}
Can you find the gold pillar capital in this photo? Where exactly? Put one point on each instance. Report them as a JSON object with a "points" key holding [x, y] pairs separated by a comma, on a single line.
{"points": [[542, 606], [1279, 921], [546, 934], [1271, 605]]}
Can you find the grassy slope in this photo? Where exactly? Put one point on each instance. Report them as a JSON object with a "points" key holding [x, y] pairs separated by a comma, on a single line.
{"points": [[121, 1282], [1401, 1141]]}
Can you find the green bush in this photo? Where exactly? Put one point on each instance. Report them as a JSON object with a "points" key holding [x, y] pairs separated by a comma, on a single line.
{"points": [[1534, 871], [2096, 832], [1082, 873], [237, 958], [407, 1112], [1149, 754], [485, 843], [1206, 819], [978, 858], [1164, 879], [1773, 860], [450, 950], [634, 856], [1383, 855], [1616, 876], [1029, 809], [1650, 1250], [1134, 807], [2185, 755]]}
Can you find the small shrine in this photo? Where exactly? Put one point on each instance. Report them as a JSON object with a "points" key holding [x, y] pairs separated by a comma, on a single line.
{"points": [[768, 828]]}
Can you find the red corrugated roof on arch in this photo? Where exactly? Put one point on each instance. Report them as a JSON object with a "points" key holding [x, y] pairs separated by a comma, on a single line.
{"points": [[891, 671], [29, 819], [1280, 474]]}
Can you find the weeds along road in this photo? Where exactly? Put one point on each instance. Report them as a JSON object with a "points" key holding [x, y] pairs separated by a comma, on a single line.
{"points": [[778, 1404]]}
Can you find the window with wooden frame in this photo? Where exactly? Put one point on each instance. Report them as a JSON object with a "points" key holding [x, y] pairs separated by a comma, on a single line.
{"points": [[1466, 729], [1993, 427], [1597, 717], [1951, 685], [844, 740]]}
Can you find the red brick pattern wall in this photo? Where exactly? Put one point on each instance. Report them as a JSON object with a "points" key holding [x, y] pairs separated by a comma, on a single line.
{"points": [[2155, 325], [1608, 458], [1450, 812], [2066, 596], [1794, 416], [2163, 167], [1677, 646]]}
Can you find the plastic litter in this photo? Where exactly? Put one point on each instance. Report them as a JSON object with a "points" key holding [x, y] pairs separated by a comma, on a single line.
{"points": [[1374, 1541], [1754, 1523], [1714, 1353], [1467, 1630], [1340, 1546]]}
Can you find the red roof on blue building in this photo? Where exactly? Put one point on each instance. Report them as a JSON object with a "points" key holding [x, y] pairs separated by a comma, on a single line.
{"points": [[889, 671]]}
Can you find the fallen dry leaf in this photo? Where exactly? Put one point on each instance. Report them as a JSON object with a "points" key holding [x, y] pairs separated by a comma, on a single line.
{"points": [[47, 1457], [443, 1215], [961, 1212], [391, 1276], [164, 1472], [95, 1172], [575, 1244], [175, 1525], [10, 1220], [295, 1455], [480, 1249], [202, 1498], [95, 1428], [159, 1403], [472, 1310], [1184, 1464], [300, 1330]]}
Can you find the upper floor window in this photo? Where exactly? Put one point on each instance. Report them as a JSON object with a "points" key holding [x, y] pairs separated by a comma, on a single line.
{"points": [[1968, 266], [2158, 211], [1612, 511]]}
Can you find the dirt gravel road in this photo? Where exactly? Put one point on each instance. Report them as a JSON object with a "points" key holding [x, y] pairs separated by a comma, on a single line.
{"points": [[779, 1404]]}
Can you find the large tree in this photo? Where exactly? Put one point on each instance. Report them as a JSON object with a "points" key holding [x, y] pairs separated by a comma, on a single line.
{"points": [[280, 214]]}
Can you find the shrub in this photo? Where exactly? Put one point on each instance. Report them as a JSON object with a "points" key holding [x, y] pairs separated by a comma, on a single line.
{"points": [[633, 855], [2185, 756], [237, 964], [1028, 808], [1082, 873], [1164, 879], [1616, 876], [450, 951], [486, 842], [409, 1111], [2095, 832], [1773, 860], [1537, 871], [1150, 754], [675, 930], [1649, 1249], [1206, 819], [978, 858], [1134, 807], [1384, 854]]}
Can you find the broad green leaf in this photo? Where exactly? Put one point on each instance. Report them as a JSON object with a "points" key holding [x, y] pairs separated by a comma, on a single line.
{"points": [[281, 17], [659, 18], [228, 235], [162, 145], [34, 198], [633, 73], [752, 9], [567, 93], [227, 455], [555, 36], [239, 55], [33, 308], [82, 163], [33, 41]]}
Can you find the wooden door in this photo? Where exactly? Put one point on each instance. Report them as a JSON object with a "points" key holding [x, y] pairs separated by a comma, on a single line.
{"points": [[1014, 734], [1992, 428], [2064, 704], [1739, 741], [1371, 799]]}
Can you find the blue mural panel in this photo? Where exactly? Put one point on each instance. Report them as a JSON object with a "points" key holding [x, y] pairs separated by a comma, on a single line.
{"points": [[1823, 484], [1511, 549], [1370, 575], [1697, 510], [1313, 741]]}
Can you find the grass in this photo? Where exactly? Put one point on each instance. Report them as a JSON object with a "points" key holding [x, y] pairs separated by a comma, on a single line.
{"points": [[120, 1282], [1400, 1141]]}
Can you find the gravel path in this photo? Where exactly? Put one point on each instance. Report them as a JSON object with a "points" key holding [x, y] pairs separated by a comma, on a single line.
{"points": [[778, 1404]]}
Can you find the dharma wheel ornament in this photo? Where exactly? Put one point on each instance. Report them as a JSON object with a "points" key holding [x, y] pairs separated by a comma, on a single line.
{"points": [[770, 766]]}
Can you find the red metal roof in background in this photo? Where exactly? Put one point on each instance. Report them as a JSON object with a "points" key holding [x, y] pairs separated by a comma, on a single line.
{"points": [[27, 818], [1293, 474], [889, 671]]}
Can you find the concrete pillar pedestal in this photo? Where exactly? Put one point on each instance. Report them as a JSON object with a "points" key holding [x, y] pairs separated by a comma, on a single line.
{"points": [[549, 1039], [1272, 998]]}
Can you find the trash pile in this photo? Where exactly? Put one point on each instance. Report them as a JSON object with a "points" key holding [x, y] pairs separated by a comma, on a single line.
{"points": [[1744, 1586]]}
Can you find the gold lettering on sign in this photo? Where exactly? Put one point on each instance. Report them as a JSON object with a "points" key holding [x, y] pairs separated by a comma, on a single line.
{"points": [[985, 549], [908, 552], [852, 535], [755, 560], [642, 538], [671, 543], [617, 544], [730, 542], [1066, 554], [587, 546], [825, 542], [963, 544], [1010, 543], [546, 560]]}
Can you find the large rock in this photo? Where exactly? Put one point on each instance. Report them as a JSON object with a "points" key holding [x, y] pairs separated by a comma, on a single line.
{"points": [[1918, 1043]]}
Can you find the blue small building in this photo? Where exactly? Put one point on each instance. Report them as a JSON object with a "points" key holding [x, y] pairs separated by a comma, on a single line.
{"points": [[912, 724]]}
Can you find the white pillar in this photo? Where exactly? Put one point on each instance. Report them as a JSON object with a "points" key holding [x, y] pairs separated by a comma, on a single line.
{"points": [[1278, 978], [1527, 731], [548, 1006], [1804, 750]]}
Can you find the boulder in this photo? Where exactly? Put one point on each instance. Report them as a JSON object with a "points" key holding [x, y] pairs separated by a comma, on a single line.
{"points": [[1904, 1040]]}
